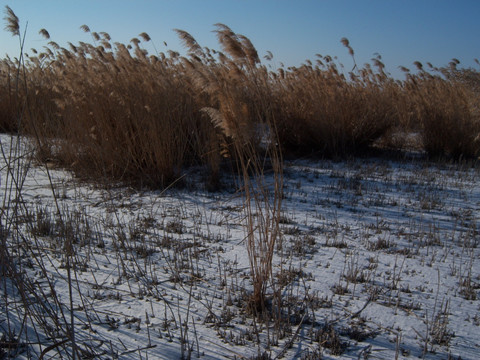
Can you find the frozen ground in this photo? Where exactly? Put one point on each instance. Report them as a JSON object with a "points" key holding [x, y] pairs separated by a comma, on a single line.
{"points": [[379, 259]]}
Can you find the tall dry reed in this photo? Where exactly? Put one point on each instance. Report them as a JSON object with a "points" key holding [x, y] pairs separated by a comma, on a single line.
{"points": [[240, 93]]}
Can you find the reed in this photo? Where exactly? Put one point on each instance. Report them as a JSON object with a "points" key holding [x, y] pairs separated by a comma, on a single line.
{"points": [[240, 89]]}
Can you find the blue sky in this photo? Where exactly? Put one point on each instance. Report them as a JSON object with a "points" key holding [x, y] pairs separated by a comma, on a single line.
{"points": [[402, 31]]}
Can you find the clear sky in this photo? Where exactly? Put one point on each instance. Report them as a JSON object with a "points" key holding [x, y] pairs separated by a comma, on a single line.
{"points": [[402, 31]]}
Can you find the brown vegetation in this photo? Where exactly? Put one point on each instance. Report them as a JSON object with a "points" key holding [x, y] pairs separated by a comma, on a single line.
{"points": [[110, 110]]}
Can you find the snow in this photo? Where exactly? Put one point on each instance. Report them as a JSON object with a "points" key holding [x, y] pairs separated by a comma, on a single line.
{"points": [[383, 251]]}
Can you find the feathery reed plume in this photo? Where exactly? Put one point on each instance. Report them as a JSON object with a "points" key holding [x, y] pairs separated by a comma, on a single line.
{"points": [[54, 45], [218, 120], [145, 36], [345, 42], [380, 65], [49, 52], [106, 44], [418, 65], [44, 33], [106, 36], [229, 42], [249, 50], [85, 28], [268, 56], [12, 21], [189, 42], [135, 41], [173, 54]]}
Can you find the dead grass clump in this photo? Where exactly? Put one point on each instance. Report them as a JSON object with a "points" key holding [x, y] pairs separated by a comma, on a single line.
{"points": [[329, 338], [358, 330]]}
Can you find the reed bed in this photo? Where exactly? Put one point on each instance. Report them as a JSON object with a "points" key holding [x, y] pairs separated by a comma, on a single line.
{"points": [[113, 111], [110, 111]]}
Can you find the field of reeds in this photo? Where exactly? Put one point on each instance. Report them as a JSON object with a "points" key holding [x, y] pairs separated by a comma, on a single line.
{"points": [[111, 110], [213, 222]]}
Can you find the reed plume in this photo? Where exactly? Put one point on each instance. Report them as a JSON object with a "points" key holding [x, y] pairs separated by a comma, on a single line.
{"points": [[230, 42], [85, 28], [44, 33], [12, 21], [189, 42]]}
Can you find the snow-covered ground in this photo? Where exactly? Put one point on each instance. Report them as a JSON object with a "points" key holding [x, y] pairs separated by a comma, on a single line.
{"points": [[379, 259]]}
